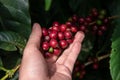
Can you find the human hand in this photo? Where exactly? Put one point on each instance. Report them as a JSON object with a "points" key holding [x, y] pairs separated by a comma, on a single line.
{"points": [[35, 67]]}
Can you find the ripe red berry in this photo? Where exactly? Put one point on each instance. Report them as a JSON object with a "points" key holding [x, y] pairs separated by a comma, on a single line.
{"points": [[68, 23], [45, 46], [57, 51], [94, 12], [55, 23], [68, 29], [44, 31], [95, 66], [50, 30], [94, 28], [63, 28], [53, 34], [74, 29], [81, 20], [55, 28], [89, 19], [103, 28], [68, 34], [60, 35], [106, 20], [82, 28], [48, 55], [46, 38], [63, 44], [100, 33], [53, 43], [74, 18]]}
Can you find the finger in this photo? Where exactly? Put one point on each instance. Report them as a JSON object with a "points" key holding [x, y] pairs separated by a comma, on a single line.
{"points": [[35, 37], [70, 60], [67, 60], [33, 63], [65, 54]]}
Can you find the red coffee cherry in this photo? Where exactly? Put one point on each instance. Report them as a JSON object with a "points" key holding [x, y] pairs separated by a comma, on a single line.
{"points": [[68, 34], [61, 35], [63, 28], [45, 46], [53, 34], [44, 31], [53, 43], [63, 44]]}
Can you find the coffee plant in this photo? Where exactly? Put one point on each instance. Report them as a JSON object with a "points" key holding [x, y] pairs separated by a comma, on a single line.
{"points": [[60, 21]]}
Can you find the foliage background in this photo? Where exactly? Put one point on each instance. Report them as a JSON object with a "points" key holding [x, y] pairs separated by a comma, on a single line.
{"points": [[18, 16]]}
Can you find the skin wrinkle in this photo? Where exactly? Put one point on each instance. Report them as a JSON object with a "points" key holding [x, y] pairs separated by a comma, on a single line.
{"points": [[59, 76]]}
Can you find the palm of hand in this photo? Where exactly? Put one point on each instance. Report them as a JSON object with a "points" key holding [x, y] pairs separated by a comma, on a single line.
{"points": [[35, 67]]}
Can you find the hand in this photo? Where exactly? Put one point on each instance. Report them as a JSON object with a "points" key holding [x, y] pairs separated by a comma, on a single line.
{"points": [[35, 67]]}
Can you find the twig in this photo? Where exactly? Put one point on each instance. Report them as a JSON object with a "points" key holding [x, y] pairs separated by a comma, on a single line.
{"points": [[111, 17], [4, 77], [3, 69], [99, 59], [9, 73]]}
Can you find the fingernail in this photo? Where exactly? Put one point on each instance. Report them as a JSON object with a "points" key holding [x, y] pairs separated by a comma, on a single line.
{"points": [[35, 26], [80, 36]]}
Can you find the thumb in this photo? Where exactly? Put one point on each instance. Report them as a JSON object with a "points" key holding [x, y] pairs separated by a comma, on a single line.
{"points": [[33, 66]]}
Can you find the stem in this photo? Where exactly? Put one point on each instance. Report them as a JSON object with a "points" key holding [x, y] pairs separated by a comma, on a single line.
{"points": [[4, 77], [99, 59], [16, 68], [9, 73], [111, 17], [2, 68], [92, 23]]}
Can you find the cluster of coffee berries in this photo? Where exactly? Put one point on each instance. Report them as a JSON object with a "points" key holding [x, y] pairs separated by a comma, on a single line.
{"points": [[94, 61], [96, 22], [57, 38], [79, 68]]}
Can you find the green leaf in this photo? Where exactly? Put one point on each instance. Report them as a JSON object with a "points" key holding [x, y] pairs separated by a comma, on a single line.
{"points": [[115, 54], [8, 46], [10, 41], [47, 4], [14, 15]]}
